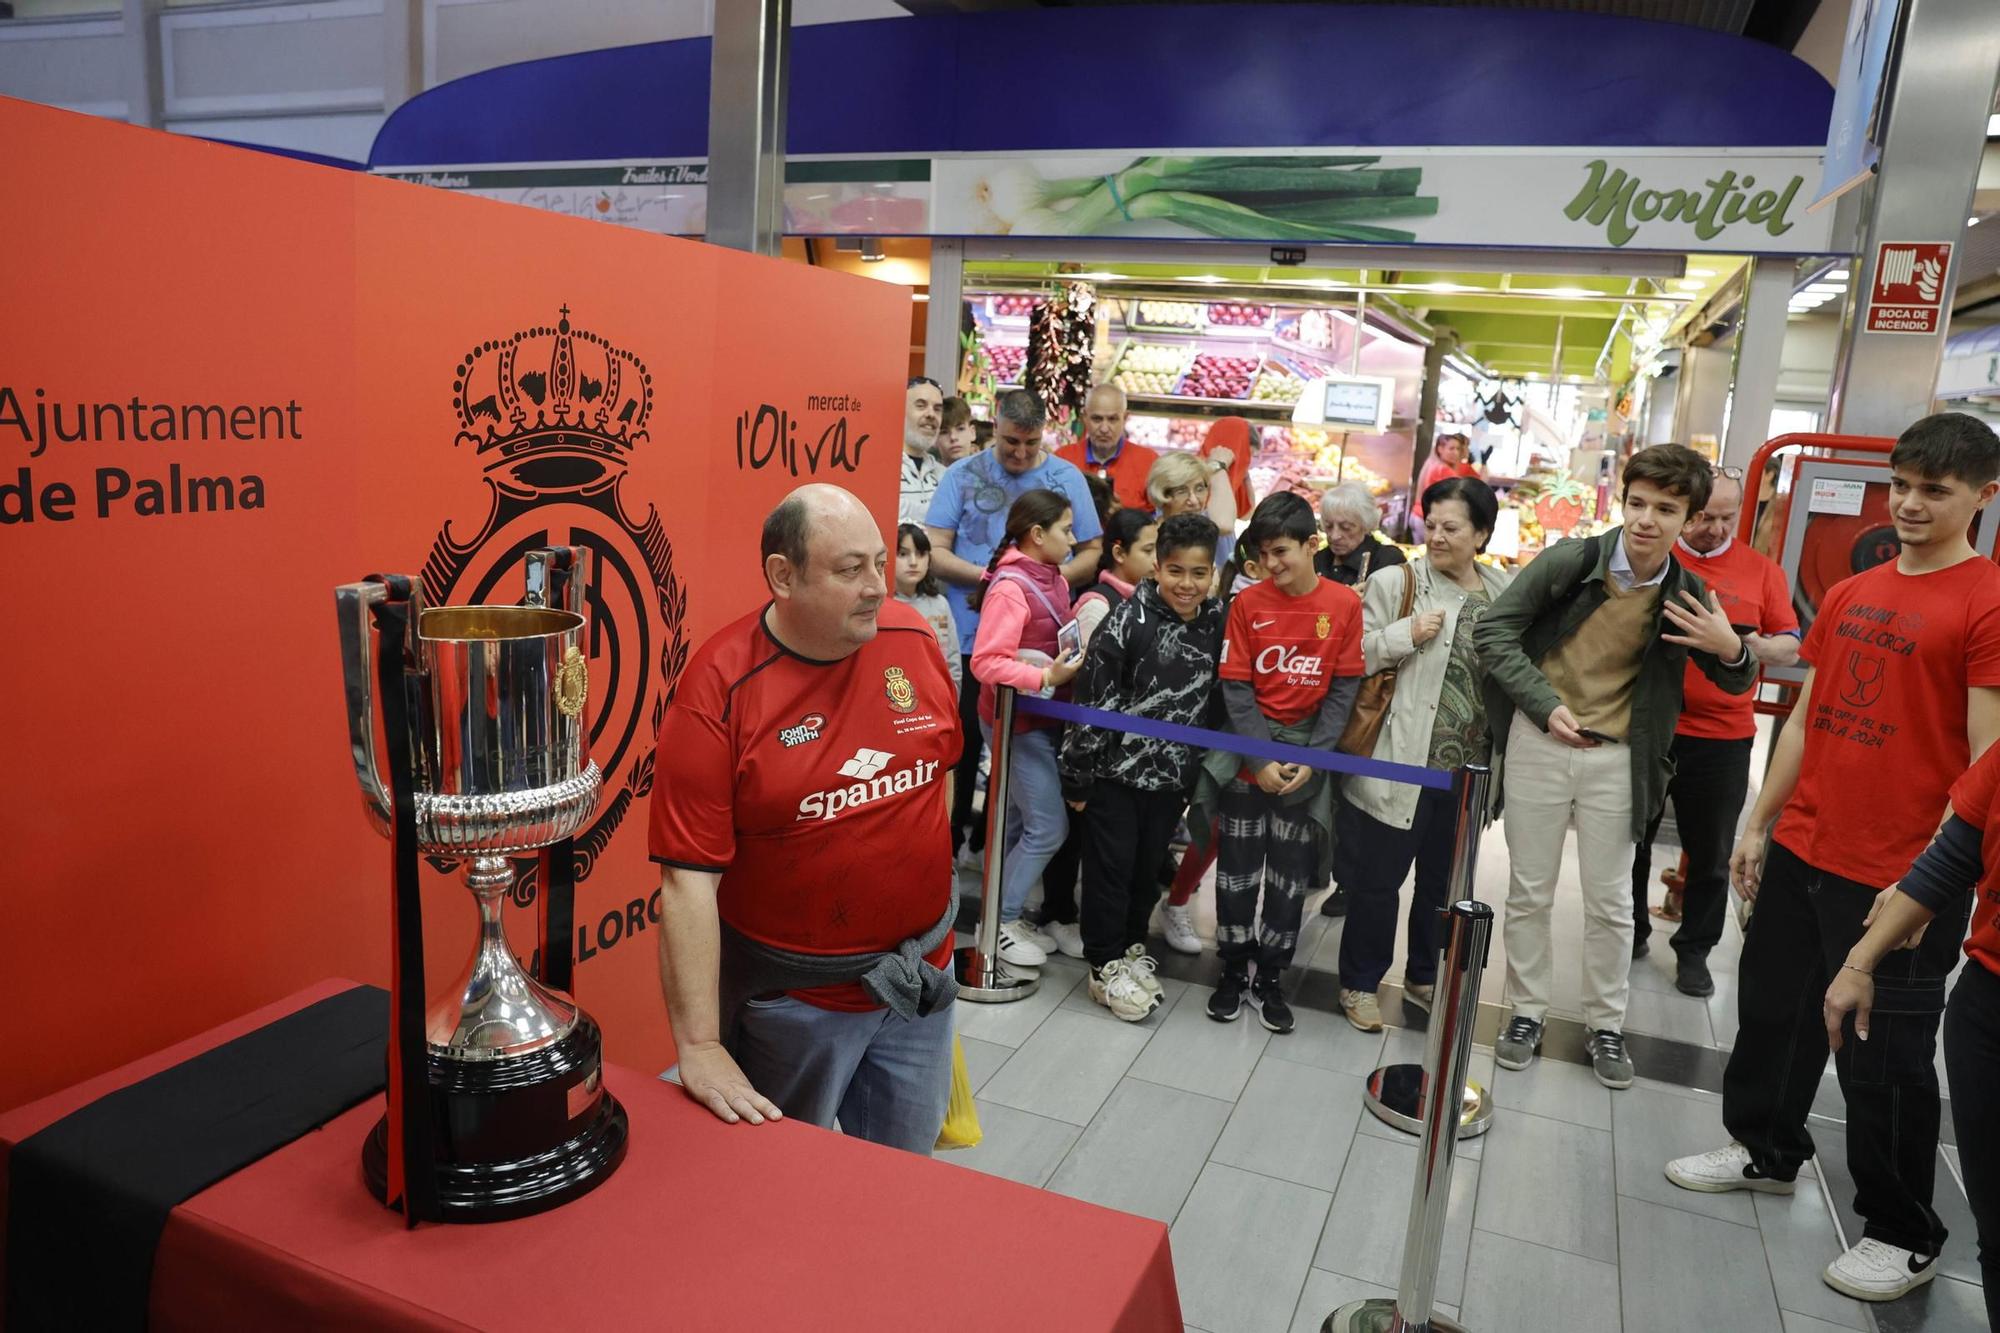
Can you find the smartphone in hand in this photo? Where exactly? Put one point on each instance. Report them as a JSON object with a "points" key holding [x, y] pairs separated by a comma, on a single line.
{"points": [[1597, 736], [1069, 641]]}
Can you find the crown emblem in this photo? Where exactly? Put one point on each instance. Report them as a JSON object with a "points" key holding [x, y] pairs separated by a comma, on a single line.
{"points": [[552, 410]]}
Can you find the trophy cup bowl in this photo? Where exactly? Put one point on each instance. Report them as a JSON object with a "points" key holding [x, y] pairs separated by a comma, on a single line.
{"points": [[499, 741]]}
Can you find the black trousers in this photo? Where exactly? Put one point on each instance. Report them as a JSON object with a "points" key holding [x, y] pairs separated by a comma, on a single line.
{"points": [[1263, 845], [1126, 831], [1711, 779], [1804, 923], [1972, 1063], [964, 827], [1376, 859], [1059, 877]]}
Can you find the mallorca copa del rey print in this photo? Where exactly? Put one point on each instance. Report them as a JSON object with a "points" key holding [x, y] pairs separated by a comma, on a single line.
{"points": [[552, 416]]}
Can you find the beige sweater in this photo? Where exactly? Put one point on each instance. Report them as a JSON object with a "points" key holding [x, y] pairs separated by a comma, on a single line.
{"points": [[1594, 669]]}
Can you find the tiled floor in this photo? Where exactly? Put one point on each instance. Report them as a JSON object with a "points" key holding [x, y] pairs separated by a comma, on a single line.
{"points": [[1286, 1198]]}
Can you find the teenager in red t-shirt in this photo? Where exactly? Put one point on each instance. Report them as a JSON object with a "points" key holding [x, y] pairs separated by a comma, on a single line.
{"points": [[799, 812], [1291, 665], [1711, 749], [1963, 857], [1903, 691]]}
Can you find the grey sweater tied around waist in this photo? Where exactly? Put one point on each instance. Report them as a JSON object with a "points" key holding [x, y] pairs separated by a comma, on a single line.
{"points": [[899, 978]]}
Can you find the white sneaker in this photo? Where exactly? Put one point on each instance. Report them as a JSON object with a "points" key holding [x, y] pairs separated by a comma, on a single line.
{"points": [[1142, 966], [1067, 935], [971, 861], [1114, 987], [1017, 945], [1875, 1270], [1177, 923], [1723, 1170], [1038, 936]]}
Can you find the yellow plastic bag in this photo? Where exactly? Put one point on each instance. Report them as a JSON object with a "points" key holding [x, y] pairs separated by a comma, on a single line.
{"points": [[961, 1116]]}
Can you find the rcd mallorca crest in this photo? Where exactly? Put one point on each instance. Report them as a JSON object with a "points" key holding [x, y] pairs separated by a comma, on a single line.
{"points": [[552, 416]]}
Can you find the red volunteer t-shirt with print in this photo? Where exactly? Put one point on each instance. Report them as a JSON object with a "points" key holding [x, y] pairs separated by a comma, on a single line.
{"points": [[1290, 648], [1751, 587], [815, 789], [1893, 655], [1975, 798]]}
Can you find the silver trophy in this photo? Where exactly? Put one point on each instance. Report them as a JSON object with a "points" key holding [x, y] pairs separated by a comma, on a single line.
{"points": [[496, 731]]}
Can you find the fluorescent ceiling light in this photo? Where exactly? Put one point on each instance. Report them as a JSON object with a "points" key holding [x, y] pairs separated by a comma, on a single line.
{"points": [[1206, 279], [1571, 291], [1825, 289], [1834, 275], [1690, 284], [1993, 127], [1701, 273]]}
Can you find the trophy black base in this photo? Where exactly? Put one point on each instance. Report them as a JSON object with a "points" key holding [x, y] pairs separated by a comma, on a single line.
{"points": [[515, 1135]]}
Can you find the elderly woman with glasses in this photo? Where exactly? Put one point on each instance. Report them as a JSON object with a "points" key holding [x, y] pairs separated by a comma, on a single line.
{"points": [[1185, 483], [1352, 552]]}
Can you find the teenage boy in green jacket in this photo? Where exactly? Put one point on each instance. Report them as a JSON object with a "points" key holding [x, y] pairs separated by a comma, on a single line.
{"points": [[1584, 655]]}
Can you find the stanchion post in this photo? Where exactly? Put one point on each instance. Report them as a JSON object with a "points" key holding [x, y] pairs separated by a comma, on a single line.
{"points": [[981, 977], [1396, 1094], [1469, 931]]}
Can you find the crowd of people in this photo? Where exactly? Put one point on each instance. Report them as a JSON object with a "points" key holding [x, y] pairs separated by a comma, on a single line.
{"points": [[1609, 677]]}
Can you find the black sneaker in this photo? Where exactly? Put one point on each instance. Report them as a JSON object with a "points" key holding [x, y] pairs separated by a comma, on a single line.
{"points": [[1691, 977], [1335, 904], [1608, 1058], [1519, 1044], [1640, 948], [1272, 1011], [1227, 1002]]}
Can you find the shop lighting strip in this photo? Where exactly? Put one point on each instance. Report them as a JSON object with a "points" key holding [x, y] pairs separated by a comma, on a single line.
{"points": [[1100, 253], [1176, 289]]}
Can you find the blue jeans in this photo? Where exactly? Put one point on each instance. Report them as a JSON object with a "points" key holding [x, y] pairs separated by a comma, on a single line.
{"points": [[885, 1079], [1037, 818]]}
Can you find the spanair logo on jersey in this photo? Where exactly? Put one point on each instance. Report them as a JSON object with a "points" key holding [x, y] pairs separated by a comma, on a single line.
{"points": [[871, 783], [902, 694], [806, 730], [550, 417]]}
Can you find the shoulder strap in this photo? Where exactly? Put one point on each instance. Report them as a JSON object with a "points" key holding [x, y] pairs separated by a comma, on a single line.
{"points": [[1030, 585], [1409, 590]]}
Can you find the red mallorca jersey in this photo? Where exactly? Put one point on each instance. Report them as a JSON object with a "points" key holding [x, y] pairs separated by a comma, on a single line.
{"points": [[1975, 798], [1290, 648], [816, 789], [1893, 655], [1751, 587]]}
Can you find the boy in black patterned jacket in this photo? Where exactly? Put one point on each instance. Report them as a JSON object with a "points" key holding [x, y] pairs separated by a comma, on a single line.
{"points": [[1153, 657]]}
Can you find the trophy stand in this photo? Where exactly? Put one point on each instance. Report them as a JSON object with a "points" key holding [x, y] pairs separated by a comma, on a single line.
{"points": [[496, 1103]]}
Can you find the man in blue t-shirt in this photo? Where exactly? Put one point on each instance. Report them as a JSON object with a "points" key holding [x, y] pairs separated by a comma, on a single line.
{"points": [[968, 518]]}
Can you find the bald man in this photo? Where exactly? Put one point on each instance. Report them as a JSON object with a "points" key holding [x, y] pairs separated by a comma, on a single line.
{"points": [[1711, 747], [1105, 452], [800, 814]]}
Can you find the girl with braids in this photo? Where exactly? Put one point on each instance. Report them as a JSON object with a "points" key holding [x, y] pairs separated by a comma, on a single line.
{"points": [[1023, 604]]}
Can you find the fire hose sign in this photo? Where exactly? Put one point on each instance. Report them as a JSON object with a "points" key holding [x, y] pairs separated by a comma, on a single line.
{"points": [[1908, 295]]}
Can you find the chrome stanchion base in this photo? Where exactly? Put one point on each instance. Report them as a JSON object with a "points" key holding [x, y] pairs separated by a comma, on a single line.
{"points": [[1378, 1314], [983, 985], [1395, 1096]]}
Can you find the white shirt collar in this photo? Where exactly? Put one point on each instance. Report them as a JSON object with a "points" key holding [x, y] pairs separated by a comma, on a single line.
{"points": [[1685, 549], [1621, 565]]}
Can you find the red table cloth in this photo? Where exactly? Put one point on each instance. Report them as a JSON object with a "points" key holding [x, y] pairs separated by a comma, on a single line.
{"points": [[704, 1226]]}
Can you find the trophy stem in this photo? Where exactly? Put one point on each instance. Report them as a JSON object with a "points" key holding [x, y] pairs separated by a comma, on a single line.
{"points": [[496, 1009]]}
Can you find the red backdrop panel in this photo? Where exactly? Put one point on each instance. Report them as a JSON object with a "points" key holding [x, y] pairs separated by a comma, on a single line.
{"points": [[180, 817]]}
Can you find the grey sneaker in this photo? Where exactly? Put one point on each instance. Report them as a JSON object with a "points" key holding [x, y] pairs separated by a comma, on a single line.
{"points": [[1519, 1044], [1608, 1059]]}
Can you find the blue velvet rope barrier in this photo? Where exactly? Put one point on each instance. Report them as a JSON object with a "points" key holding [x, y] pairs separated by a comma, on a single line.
{"points": [[1436, 779]]}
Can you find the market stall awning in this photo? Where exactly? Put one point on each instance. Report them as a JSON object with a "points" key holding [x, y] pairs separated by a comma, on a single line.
{"points": [[1194, 76]]}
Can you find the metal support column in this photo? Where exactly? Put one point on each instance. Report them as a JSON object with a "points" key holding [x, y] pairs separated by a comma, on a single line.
{"points": [[1760, 346], [749, 68], [1396, 1094], [981, 975], [145, 97], [1427, 406], [1935, 106], [941, 320]]}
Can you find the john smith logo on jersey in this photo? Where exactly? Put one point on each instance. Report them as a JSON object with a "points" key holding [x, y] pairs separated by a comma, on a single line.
{"points": [[551, 416], [806, 729]]}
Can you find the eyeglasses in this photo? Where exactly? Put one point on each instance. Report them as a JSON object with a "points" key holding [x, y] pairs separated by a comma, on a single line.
{"points": [[1729, 473]]}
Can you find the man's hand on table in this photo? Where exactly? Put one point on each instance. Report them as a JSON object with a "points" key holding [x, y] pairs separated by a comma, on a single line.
{"points": [[711, 1077]]}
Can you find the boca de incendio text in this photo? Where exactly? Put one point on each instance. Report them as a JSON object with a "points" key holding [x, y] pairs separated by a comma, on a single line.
{"points": [[40, 422]]}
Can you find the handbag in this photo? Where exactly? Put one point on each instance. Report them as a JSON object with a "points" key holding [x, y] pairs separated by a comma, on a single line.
{"points": [[1372, 700]]}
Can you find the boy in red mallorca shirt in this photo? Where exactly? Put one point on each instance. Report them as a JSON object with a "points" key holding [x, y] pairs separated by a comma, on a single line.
{"points": [[1291, 665], [1903, 693]]}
